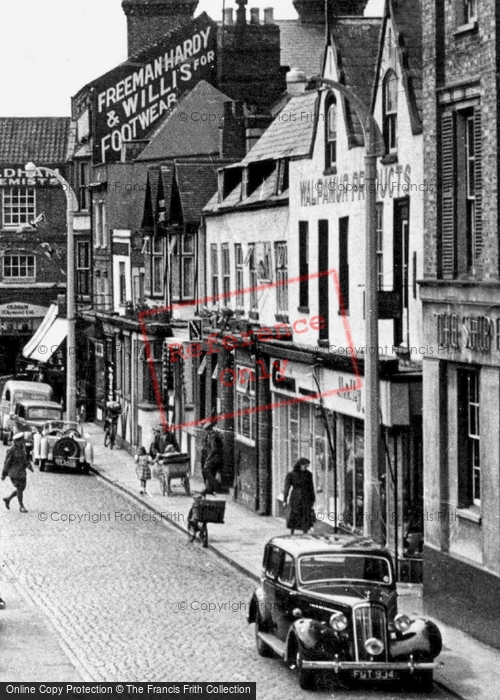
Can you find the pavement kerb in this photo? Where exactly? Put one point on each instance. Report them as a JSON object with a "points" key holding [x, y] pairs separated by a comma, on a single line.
{"points": [[151, 507]]}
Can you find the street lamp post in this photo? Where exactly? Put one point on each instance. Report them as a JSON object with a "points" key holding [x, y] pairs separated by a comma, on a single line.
{"points": [[373, 144], [71, 206]]}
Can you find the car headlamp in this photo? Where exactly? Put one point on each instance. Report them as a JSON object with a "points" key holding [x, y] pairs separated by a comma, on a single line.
{"points": [[338, 621], [402, 622], [374, 646]]}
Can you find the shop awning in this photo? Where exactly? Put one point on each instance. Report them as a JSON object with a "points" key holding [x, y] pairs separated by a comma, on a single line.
{"points": [[48, 337]]}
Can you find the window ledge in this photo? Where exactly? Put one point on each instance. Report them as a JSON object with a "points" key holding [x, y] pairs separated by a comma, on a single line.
{"points": [[303, 309], [282, 318], [324, 343], [472, 514], [466, 28], [389, 158], [344, 312]]}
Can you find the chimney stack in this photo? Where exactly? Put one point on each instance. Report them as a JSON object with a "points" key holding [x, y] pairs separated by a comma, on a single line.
{"points": [[254, 15], [228, 17], [241, 18], [269, 15], [148, 22]]}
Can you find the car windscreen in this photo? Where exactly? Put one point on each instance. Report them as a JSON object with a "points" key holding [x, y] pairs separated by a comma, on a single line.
{"points": [[352, 567], [43, 413], [31, 395]]}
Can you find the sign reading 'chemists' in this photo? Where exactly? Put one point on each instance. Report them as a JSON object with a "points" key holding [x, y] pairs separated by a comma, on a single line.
{"points": [[129, 100]]}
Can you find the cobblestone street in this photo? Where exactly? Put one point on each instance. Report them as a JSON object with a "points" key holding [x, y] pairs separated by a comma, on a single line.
{"points": [[129, 596]]}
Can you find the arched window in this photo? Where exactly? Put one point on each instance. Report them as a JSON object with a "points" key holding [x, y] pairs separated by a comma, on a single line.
{"points": [[390, 93], [331, 132]]}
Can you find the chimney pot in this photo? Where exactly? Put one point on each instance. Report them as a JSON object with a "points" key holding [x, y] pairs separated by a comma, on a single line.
{"points": [[269, 15], [254, 15], [228, 16], [296, 82]]}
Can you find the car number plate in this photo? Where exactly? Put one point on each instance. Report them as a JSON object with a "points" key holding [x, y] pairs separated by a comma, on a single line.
{"points": [[64, 462], [373, 674]]}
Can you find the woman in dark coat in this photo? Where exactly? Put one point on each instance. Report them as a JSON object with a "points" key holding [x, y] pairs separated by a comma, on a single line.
{"points": [[300, 516], [15, 466]]}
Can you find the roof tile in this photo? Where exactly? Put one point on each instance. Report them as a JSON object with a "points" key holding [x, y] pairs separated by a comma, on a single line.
{"points": [[43, 140]]}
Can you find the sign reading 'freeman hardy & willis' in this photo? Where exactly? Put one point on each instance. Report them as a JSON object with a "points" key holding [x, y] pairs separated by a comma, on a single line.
{"points": [[130, 99]]}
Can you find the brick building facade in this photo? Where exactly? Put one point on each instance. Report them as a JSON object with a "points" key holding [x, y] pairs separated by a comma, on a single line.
{"points": [[461, 314]]}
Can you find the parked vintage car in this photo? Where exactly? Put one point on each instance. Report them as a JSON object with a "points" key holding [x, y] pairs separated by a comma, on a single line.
{"points": [[62, 444], [15, 391], [331, 603], [29, 417]]}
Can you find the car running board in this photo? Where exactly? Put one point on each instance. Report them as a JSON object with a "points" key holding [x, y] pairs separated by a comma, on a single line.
{"points": [[276, 645]]}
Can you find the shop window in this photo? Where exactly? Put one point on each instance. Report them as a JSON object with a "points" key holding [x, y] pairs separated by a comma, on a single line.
{"points": [[353, 473], [151, 368], [83, 268], [331, 133], [380, 245], [214, 268], [390, 104], [19, 266], [304, 265], [127, 367], [469, 438], [19, 206], [226, 273], [461, 176], [281, 256], [245, 402], [238, 261]]}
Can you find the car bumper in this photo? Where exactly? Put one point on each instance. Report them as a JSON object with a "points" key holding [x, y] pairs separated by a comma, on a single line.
{"points": [[339, 666]]}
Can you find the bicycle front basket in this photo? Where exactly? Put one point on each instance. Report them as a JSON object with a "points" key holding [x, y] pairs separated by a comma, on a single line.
{"points": [[211, 511]]}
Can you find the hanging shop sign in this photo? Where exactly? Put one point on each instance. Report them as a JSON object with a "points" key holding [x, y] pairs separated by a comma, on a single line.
{"points": [[129, 100]]}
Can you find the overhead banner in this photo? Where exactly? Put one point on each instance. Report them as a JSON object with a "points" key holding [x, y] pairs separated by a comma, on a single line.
{"points": [[130, 100]]}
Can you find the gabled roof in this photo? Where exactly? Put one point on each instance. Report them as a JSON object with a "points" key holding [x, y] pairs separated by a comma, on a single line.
{"points": [[43, 140], [407, 21], [302, 45], [356, 40], [191, 136], [291, 134], [197, 183]]}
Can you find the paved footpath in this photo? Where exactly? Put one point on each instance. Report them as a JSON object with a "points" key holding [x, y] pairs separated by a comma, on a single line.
{"points": [[471, 669]]}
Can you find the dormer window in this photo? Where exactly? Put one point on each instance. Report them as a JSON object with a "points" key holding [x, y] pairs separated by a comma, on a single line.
{"points": [[331, 133], [390, 93]]}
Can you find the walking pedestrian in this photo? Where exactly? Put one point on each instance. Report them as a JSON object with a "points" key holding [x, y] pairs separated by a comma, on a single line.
{"points": [[211, 460], [15, 466], [300, 509], [143, 469]]}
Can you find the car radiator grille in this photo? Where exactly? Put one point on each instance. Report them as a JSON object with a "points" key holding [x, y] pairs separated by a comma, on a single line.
{"points": [[369, 621]]}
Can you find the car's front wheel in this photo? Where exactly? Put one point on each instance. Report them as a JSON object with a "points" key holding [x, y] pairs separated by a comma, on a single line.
{"points": [[261, 646], [304, 676]]}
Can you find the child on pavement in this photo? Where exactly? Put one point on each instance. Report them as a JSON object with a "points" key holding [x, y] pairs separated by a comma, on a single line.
{"points": [[143, 469]]}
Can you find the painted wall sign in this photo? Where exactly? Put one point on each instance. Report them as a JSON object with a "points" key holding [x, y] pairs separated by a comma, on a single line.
{"points": [[455, 333], [16, 176], [129, 100], [392, 181]]}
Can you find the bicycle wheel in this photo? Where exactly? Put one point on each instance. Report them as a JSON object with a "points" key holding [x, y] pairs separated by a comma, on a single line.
{"points": [[204, 534], [107, 437], [113, 435]]}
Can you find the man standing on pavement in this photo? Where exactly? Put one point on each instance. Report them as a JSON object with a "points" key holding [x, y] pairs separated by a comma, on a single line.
{"points": [[211, 459], [15, 466]]}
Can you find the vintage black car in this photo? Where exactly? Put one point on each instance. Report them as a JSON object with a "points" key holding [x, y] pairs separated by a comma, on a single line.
{"points": [[330, 603]]}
